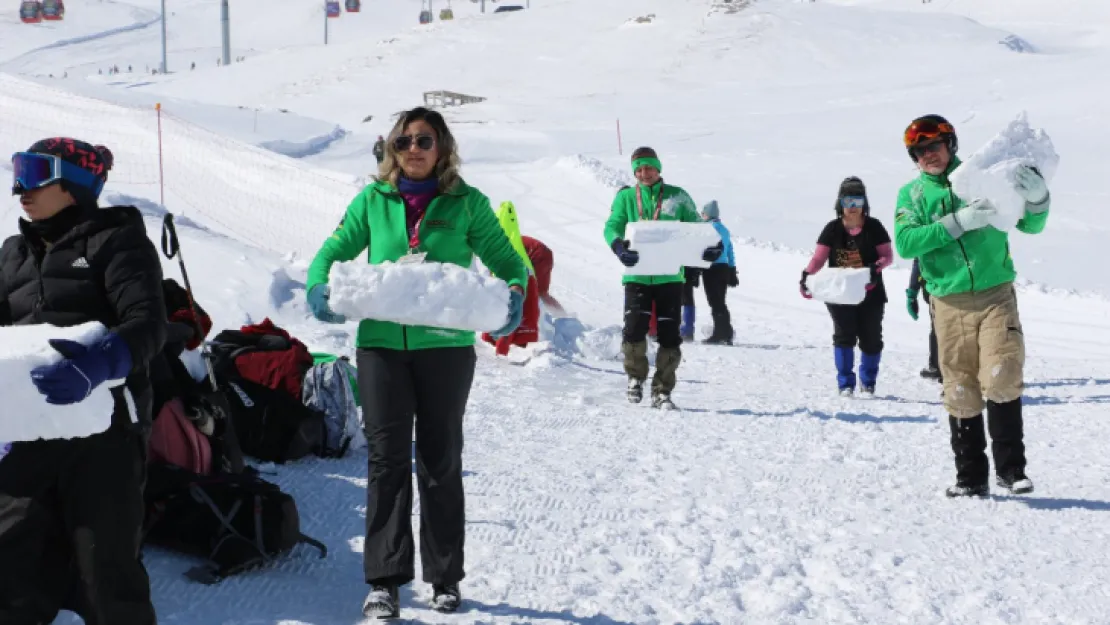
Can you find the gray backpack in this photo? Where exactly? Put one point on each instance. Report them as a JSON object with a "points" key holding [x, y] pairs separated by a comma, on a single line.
{"points": [[327, 388]]}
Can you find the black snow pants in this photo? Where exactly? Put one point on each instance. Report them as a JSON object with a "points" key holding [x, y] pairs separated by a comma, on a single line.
{"points": [[638, 299], [71, 515], [934, 364], [715, 281], [862, 323], [429, 387]]}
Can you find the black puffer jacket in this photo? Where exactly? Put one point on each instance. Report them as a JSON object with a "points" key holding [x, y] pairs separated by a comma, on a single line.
{"points": [[101, 267]]}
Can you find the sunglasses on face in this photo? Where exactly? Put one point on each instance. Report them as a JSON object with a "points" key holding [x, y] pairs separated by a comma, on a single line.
{"points": [[404, 142], [852, 201], [926, 130], [928, 148]]}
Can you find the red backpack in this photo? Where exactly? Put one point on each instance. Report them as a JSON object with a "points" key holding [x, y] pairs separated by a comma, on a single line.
{"points": [[176, 440]]}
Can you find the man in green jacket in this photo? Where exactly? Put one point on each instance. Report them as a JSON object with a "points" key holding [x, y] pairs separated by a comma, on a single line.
{"points": [[650, 200], [966, 265]]}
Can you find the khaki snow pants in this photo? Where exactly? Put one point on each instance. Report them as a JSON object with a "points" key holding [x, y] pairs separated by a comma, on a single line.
{"points": [[981, 349]]}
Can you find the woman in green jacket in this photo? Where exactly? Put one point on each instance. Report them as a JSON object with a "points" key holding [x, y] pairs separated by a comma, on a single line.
{"points": [[418, 204]]}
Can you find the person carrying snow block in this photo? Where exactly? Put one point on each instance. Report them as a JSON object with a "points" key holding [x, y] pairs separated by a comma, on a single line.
{"points": [[855, 240], [543, 262], [650, 200], [917, 284], [71, 510], [717, 279], [968, 269], [528, 330], [418, 208]]}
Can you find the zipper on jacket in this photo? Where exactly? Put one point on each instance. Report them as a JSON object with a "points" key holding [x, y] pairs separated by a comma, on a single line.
{"points": [[952, 210], [405, 337]]}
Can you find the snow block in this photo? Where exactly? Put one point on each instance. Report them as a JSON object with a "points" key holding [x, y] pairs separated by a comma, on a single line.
{"points": [[838, 285], [989, 172], [665, 247], [438, 295], [26, 415]]}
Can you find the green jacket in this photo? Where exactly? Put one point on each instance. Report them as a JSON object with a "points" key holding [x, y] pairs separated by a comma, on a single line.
{"points": [[457, 225], [977, 261], [677, 206]]}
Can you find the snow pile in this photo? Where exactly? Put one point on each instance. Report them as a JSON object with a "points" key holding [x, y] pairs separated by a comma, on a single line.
{"points": [[441, 295], [667, 246], [26, 415], [839, 285], [989, 172]]}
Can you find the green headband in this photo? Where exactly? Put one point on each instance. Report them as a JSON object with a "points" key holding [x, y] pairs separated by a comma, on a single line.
{"points": [[650, 161]]}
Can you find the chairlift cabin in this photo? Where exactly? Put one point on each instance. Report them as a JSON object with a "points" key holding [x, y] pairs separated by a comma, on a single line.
{"points": [[30, 11], [425, 17], [446, 14], [334, 9], [53, 10], [353, 6]]}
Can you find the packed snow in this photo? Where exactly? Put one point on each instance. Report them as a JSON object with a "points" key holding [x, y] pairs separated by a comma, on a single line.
{"points": [[26, 415], [767, 498], [989, 171], [837, 285], [667, 246], [422, 293]]}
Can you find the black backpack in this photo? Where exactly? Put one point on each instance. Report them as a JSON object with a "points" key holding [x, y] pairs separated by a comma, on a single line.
{"points": [[271, 425], [236, 522]]}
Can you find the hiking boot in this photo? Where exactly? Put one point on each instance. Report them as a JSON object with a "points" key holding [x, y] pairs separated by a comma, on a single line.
{"points": [[847, 391], [1017, 483], [930, 373], [717, 340], [967, 490], [663, 401], [969, 446], [446, 598], [635, 391], [382, 602]]}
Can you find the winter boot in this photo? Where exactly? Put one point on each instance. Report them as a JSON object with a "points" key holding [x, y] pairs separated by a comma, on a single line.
{"points": [[930, 373], [868, 371], [635, 390], [383, 602], [666, 370], [635, 359], [969, 444], [686, 331], [1007, 446], [446, 597], [845, 369], [663, 401]]}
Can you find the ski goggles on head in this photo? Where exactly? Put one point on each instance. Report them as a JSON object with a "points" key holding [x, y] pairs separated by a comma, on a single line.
{"points": [[423, 142], [853, 201], [31, 170], [926, 130]]}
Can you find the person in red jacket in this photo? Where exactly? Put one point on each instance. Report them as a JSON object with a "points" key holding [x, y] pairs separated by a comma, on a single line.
{"points": [[543, 261]]}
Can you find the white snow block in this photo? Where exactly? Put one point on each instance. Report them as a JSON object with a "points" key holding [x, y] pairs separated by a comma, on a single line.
{"points": [[989, 172], [839, 285], [667, 246], [439, 295], [25, 415]]}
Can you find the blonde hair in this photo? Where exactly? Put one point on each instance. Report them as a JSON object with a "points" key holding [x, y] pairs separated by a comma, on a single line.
{"points": [[447, 166]]}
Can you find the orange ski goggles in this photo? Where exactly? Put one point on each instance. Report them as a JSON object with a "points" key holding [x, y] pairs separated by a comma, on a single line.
{"points": [[925, 130]]}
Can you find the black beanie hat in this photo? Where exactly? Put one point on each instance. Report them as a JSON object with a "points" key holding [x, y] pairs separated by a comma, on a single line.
{"points": [[95, 159], [852, 185]]}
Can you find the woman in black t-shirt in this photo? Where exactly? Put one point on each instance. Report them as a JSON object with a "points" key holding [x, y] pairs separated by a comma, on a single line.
{"points": [[855, 239]]}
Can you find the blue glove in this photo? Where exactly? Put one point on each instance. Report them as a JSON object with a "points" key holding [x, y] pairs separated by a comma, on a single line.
{"points": [[516, 314], [82, 369], [318, 303], [628, 257], [1030, 185]]}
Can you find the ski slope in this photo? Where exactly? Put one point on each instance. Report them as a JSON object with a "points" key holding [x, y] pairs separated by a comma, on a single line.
{"points": [[767, 499]]}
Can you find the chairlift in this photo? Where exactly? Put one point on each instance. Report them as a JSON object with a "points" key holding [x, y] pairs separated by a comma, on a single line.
{"points": [[425, 17], [30, 11], [353, 6], [53, 10], [334, 9], [446, 14]]}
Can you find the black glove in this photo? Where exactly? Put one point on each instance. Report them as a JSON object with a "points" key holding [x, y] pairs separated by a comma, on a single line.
{"points": [[874, 273], [693, 276], [802, 285], [733, 279], [711, 254], [628, 257]]}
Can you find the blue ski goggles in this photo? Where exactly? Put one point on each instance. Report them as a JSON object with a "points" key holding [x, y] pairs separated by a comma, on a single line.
{"points": [[31, 170], [853, 201]]}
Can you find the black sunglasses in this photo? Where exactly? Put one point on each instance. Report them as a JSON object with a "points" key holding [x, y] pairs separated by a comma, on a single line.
{"points": [[922, 150], [404, 142]]}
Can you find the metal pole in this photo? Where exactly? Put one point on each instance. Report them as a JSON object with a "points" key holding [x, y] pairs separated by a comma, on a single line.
{"points": [[483, 6], [225, 24], [163, 36], [431, 12], [325, 22]]}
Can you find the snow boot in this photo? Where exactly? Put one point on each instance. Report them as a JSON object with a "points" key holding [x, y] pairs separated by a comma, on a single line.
{"points": [[969, 444], [930, 373], [868, 371], [666, 371], [1004, 423], [686, 331], [635, 390], [382, 602], [663, 401], [446, 598], [845, 368]]}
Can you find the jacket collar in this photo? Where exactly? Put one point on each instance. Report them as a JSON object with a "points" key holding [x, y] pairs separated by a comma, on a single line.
{"points": [[459, 189], [942, 179]]}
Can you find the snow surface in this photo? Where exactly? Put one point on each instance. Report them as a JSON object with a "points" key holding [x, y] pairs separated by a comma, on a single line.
{"points": [[666, 246], [440, 295], [26, 415], [768, 499], [989, 171], [839, 285]]}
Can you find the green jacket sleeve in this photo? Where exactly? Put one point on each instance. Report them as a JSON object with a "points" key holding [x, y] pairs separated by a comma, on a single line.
{"points": [[618, 219], [1034, 223], [350, 238], [912, 237], [492, 245]]}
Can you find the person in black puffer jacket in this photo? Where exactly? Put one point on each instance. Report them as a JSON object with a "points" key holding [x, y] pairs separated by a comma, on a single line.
{"points": [[77, 504]]}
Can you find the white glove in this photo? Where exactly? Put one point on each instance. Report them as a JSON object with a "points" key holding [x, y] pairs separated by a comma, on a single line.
{"points": [[975, 215], [1030, 185]]}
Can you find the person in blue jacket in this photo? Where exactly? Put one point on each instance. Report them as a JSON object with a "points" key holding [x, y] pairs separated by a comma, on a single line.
{"points": [[718, 277]]}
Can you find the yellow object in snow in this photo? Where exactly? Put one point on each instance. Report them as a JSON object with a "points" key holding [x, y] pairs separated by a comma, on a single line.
{"points": [[506, 214]]}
